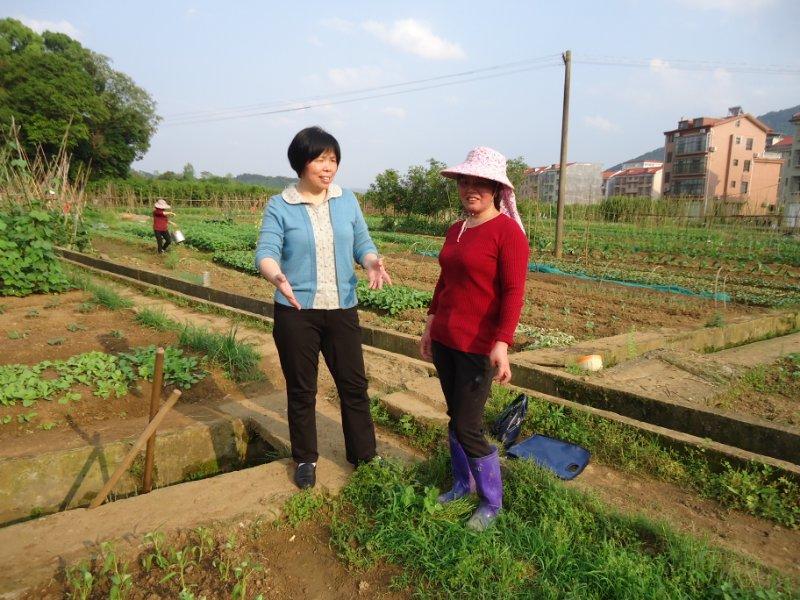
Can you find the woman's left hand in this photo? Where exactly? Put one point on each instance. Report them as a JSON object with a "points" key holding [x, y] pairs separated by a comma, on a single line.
{"points": [[499, 360], [377, 274]]}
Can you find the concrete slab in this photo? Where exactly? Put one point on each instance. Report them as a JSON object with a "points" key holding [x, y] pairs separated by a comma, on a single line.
{"points": [[50, 542], [758, 353], [429, 390], [403, 403]]}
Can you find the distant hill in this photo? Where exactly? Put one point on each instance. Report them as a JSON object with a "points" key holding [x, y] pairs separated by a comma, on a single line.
{"points": [[777, 119], [266, 181]]}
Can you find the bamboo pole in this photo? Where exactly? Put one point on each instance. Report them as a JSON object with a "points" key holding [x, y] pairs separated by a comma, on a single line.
{"points": [[155, 400], [126, 462]]}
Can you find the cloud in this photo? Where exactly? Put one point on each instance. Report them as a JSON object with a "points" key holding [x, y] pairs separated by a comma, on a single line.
{"points": [[414, 37], [191, 12], [62, 26], [600, 123], [394, 111], [350, 77], [340, 25], [734, 6], [314, 41]]}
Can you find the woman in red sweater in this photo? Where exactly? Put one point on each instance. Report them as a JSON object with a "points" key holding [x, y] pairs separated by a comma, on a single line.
{"points": [[161, 224], [472, 318]]}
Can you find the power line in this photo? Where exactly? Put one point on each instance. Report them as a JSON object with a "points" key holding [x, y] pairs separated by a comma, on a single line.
{"points": [[688, 65], [250, 107], [490, 72], [309, 106]]}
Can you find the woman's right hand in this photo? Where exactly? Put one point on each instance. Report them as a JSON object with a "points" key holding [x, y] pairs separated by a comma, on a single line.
{"points": [[425, 342], [285, 288]]}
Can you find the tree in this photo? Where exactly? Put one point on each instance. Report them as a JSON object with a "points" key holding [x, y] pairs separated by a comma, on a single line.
{"points": [[421, 191], [188, 172], [58, 92], [516, 168]]}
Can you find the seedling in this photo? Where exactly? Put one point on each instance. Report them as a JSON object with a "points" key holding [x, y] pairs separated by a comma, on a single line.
{"points": [[56, 341], [17, 335], [86, 307], [73, 327], [32, 314]]}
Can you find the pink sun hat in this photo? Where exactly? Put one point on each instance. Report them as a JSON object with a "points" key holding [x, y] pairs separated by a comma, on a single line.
{"points": [[487, 163]]}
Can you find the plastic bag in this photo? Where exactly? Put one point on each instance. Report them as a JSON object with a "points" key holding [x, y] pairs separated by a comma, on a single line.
{"points": [[507, 426]]}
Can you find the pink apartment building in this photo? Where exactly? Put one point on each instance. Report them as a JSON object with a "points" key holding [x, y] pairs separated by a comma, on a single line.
{"points": [[723, 159]]}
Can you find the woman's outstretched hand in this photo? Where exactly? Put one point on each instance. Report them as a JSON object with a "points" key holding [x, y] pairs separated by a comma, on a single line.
{"points": [[377, 275], [285, 288]]}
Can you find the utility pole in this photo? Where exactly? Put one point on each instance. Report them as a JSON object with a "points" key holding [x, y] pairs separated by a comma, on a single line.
{"points": [[562, 166]]}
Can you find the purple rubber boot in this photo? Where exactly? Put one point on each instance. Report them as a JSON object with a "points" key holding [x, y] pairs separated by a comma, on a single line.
{"points": [[463, 483], [486, 471]]}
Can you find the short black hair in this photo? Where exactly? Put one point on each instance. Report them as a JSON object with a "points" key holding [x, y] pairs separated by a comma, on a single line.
{"points": [[308, 144]]}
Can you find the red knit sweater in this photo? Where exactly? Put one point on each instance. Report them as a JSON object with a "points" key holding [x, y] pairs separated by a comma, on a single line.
{"points": [[160, 220], [481, 288]]}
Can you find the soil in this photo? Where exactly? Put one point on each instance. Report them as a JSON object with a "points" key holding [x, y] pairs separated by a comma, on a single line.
{"points": [[99, 330], [297, 563], [765, 542], [776, 397], [584, 309]]}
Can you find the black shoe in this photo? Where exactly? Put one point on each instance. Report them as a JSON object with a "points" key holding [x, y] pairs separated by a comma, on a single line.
{"points": [[305, 475]]}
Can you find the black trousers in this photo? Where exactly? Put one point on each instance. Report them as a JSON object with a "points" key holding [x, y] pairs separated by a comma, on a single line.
{"points": [[162, 240], [466, 381], [299, 336]]}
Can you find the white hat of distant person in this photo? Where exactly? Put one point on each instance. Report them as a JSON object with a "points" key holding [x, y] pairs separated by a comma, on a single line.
{"points": [[161, 203]]}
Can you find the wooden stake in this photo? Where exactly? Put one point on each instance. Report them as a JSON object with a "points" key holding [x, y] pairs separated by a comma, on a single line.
{"points": [[155, 400], [126, 462]]}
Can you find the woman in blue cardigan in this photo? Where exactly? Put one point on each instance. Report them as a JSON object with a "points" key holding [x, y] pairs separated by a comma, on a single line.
{"points": [[310, 236]]}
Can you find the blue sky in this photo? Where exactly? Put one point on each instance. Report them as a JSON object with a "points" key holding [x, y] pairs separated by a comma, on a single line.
{"points": [[213, 56]]}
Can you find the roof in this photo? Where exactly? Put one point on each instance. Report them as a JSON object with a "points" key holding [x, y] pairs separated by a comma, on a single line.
{"points": [[714, 122], [639, 171], [786, 142], [795, 117]]}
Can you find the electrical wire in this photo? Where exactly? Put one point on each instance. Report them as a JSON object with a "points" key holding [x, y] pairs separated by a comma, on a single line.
{"points": [[324, 103]]}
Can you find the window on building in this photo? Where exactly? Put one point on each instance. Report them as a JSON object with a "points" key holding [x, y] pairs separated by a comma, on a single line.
{"points": [[744, 187], [738, 140], [669, 157], [733, 184], [746, 165], [749, 145], [735, 162], [666, 178]]}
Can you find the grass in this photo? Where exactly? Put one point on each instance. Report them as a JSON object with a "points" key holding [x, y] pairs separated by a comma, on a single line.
{"points": [[102, 294], [238, 359], [421, 435], [155, 319], [549, 542], [756, 489]]}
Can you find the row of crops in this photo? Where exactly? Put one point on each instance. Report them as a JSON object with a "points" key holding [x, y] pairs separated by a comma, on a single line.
{"points": [[746, 278]]}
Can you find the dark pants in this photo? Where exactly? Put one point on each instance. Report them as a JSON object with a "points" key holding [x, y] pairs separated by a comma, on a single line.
{"points": [[466, 381], [162, 240], [299, 336]]}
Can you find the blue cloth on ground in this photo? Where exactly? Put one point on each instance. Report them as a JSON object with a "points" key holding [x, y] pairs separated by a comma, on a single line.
{"points": [[564, 459]]}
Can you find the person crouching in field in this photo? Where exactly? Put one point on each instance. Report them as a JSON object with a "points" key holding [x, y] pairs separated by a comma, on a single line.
{"points": [[472, 318], [161, 224], [311, 236]]}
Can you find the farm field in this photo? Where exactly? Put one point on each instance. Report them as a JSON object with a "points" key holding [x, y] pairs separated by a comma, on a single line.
{"points": [[380, 532], [556, 305]]}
